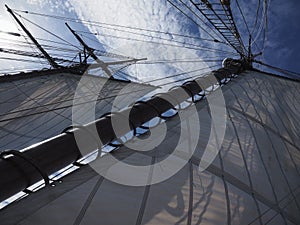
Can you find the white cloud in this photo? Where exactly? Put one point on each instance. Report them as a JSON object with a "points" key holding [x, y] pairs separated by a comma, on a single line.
{"points": [[154, 15]]}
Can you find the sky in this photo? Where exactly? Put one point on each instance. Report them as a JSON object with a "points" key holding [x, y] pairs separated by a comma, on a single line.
{"points": [[281, 48]]}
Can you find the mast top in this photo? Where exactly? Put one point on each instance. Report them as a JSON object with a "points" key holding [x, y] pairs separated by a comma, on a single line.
{"points": [[43, 51], [103, 65]]}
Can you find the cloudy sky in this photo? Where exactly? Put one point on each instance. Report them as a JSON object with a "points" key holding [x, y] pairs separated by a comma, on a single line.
{"points": [[174, 39]]}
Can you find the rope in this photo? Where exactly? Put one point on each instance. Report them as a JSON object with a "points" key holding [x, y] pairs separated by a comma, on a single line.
{"points": [[28, 160]]}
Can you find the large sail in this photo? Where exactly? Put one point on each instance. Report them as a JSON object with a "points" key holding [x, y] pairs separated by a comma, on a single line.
{"points": [[254, 178]]}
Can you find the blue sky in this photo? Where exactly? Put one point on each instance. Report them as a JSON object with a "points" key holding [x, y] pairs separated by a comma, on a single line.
{"points": [[281, 49], [283, 46]]}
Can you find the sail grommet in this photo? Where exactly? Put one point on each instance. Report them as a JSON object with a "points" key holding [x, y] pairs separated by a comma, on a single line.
{"points": [[34, 164]]}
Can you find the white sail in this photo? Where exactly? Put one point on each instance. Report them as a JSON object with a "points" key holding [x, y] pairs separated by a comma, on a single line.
{"points": [[253, 180]]}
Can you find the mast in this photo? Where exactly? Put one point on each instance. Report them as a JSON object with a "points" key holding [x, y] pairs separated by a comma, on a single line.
{"points": [[85, 46], [47, 56], [103, 65]]}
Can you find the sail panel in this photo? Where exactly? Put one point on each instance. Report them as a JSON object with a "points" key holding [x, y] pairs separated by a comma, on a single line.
{"points": [[40, 107]]}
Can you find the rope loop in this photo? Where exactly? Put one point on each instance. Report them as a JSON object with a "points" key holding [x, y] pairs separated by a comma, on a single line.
{"points": [[29, 161]]}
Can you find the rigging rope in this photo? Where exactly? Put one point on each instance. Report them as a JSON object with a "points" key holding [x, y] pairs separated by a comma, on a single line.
{"points": [[23, 60], [166, 44], [32, 46], [228, 30], [61, 107], [218, 35], [265, 30], [47, 31], [175, 75], [145, 35], [179, 61], [264, 21], [96, 23], [55, 48], [256, 16], [279, 69], [187, 78], [244, 19], [164, 39], [191, 19], [247, 26]]}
